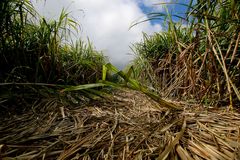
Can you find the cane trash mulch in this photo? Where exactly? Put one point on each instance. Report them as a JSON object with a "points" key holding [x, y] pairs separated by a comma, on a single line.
{"points": [[129, 126]]}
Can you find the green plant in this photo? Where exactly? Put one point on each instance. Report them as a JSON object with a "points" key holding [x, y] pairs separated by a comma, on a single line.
{"points": [[36, 51], [199, 60]]}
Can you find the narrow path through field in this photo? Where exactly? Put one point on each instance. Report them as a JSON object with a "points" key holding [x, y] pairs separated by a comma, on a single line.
{"points": [[129, 125]]}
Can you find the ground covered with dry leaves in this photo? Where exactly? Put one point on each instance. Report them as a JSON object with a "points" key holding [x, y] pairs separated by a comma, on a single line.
{"points": [[128, 126]]}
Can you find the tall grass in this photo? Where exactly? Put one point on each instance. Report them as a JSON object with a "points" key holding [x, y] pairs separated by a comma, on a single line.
{"points": [[36, 51], [200, 60]]}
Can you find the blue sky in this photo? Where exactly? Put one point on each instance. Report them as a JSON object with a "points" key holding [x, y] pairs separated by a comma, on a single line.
{"points": [[177, 8], [106, 22]]}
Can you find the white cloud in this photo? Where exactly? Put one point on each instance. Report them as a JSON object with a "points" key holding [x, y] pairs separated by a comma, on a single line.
{"points": [[106, 23]]}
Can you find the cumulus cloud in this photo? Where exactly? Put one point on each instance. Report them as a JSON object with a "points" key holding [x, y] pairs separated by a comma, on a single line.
{"points": [[106, 23]]}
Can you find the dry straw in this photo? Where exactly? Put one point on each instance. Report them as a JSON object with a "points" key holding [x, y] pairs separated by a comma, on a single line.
{"points": [[129, 125]]}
